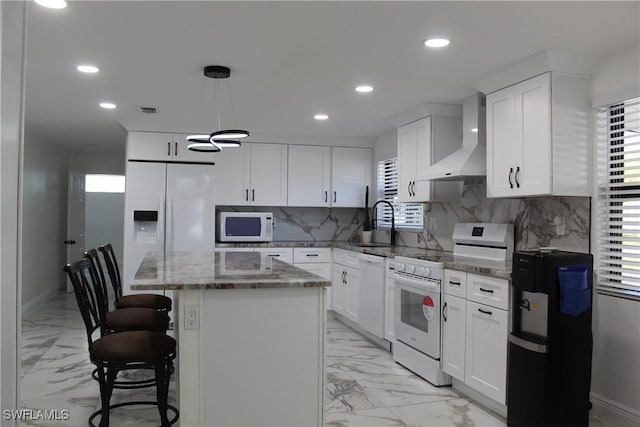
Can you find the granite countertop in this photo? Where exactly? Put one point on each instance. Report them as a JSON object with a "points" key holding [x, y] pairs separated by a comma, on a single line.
{"points": [[380, 249], [471, 265], [211, 270]]}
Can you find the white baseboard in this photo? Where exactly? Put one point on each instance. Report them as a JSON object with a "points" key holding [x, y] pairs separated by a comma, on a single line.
{"points": [[38, 302], [614, 414], [479, 398]]}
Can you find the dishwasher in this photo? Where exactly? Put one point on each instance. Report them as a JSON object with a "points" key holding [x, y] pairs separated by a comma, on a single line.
{"points": [[372, 304]]}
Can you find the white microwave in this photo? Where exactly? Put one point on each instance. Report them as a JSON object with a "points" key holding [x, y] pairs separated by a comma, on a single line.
{"points": [[245, 226]]}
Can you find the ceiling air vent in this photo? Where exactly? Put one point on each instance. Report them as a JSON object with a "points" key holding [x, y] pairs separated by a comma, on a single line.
{"points": [[148, 110]]}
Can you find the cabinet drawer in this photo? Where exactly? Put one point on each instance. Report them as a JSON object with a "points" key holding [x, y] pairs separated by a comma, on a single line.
{"points": [[311, 255], [455, 283], [283, 254], [488, 290]]}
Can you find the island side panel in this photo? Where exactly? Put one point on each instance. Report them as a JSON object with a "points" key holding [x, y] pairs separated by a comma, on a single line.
{"points": [[188, 374], [263, 356]]}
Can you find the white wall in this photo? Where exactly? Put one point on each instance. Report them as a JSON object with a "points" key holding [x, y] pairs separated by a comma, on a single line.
{"points": [[44, 219], [97, 163], [617, 78], [12, 25], [615, 384], [104, 221], [386, 146]]}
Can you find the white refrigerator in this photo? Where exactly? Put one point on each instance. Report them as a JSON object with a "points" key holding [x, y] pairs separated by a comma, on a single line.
{"points": [[168, 207]]}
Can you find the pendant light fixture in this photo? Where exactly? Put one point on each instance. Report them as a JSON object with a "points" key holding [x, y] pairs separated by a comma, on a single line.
{"points": [[223, 138]]}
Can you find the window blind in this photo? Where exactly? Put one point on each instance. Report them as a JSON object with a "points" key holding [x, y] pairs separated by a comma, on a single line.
{"points": [[619, 199], [406, 214]]}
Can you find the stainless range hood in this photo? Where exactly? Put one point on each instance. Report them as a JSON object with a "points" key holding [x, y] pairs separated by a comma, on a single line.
{"points": [[470, 161]]}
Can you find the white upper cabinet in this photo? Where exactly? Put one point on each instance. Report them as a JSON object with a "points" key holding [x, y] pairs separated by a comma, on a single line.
{"points": [[309, 182], [233, 176], [420, 144], [253, 174], [350, 174], [268, 174], [538, 138], [163, 147]]}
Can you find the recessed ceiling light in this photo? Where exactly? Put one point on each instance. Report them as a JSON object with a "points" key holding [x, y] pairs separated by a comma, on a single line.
{"points": [[52, 4], [321, 117], [474, 130], [89, 69], [108, 105], [364, 89], [436, 42]]}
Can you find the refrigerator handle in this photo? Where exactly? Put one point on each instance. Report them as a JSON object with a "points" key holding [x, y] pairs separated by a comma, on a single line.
{"points": [[162, 228], [170, 225]]}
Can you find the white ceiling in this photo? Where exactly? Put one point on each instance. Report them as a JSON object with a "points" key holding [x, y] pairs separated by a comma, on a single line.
{"points": [[289, 60]]}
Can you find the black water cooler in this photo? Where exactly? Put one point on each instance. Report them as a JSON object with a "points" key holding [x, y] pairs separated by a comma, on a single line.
{"points": [[550, 345]]}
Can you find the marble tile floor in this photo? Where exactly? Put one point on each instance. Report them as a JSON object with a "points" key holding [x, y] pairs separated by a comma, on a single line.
{"points": [[364, 386]]}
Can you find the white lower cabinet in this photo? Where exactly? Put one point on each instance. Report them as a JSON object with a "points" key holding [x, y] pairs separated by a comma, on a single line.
{"points": [[486, 350], [316, 261], [475, 331], [346, 286], [454, 316], [283, 254]]}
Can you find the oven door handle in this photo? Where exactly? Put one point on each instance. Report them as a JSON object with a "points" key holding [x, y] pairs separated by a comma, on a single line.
{"points": [[444, 311], [432, 285]]}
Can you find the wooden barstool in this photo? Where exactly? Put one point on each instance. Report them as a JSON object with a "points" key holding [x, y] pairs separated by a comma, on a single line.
{"points": [[157, 302], [120, 351]]}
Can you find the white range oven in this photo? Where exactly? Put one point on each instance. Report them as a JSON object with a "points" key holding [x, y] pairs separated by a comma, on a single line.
{"points": [[418, 299], [418, 284]]}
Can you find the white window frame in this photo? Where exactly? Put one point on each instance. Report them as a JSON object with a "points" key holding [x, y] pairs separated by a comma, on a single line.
{"points": [[618, 184], [408, 216]]}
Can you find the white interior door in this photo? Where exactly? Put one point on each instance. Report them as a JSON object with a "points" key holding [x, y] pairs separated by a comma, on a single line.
{"points": [[75, 219]]}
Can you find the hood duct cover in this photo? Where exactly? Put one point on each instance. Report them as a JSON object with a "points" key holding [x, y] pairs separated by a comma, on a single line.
{"points": [[470, 161]]}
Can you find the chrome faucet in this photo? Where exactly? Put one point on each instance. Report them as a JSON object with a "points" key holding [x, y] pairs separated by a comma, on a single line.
{"points": [[393, 221]]}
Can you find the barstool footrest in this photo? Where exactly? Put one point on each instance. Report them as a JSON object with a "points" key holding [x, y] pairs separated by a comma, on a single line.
{"points": [[137, 402]]}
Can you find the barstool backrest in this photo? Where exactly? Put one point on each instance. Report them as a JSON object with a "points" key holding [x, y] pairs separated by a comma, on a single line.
{"points": [[91, 300], [112, 268], [92, 256]]}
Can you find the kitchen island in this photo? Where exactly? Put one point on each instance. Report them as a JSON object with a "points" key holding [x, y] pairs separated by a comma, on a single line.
{"points": [[251, 337]]}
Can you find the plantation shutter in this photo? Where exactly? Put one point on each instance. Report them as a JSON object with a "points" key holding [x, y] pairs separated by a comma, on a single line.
{"points": [[406, 214], [619, 199]]}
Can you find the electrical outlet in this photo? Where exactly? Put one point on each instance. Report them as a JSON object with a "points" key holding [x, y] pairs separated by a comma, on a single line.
{"points": [[191, 318], [433, 223]]}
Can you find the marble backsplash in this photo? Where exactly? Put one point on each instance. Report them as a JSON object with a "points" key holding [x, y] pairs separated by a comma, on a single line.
{"points": [[561, 222], [309, 224]]}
